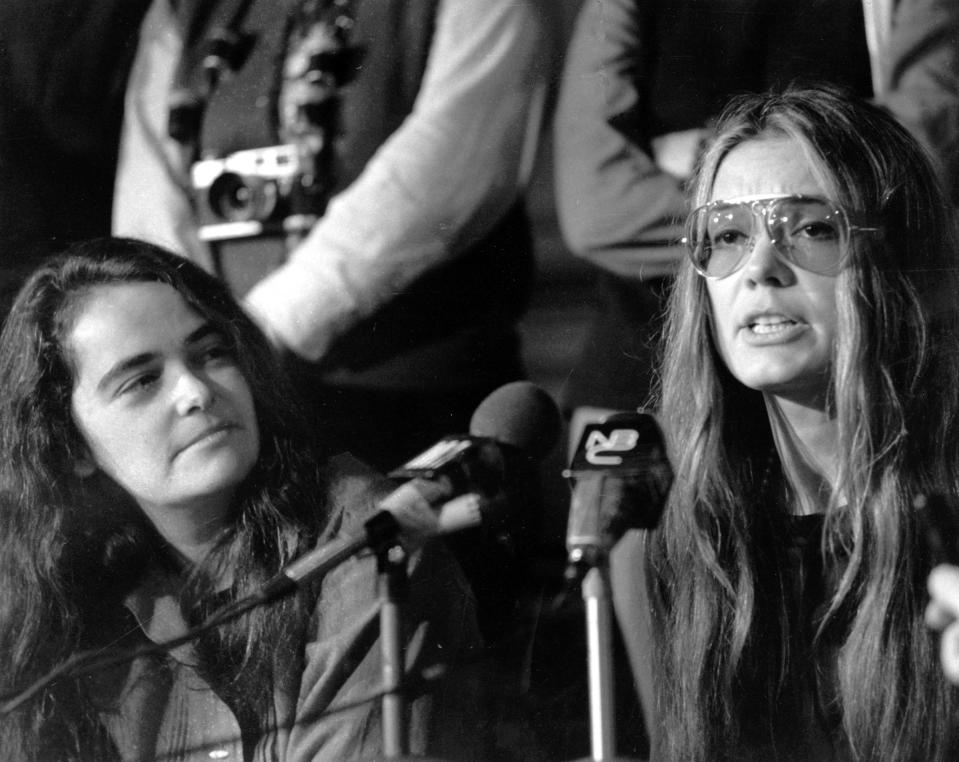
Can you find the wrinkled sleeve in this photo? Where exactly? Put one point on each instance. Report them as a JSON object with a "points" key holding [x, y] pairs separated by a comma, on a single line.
{"points": [[152, 189], [450, 171], [923, 86], [338, 714], [616, 207]]}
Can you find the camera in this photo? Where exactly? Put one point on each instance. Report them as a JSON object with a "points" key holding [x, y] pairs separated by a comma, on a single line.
{"points": [[279, 190], [274, 190]]}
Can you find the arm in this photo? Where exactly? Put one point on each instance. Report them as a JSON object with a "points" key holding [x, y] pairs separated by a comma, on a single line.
{"points": [[152, 188], [616, 207], [923, 84], [440, 182]]}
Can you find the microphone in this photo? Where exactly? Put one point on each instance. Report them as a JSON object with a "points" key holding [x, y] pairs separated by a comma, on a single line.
{"points": [[518, 421], [621, 478], [456, 484]]}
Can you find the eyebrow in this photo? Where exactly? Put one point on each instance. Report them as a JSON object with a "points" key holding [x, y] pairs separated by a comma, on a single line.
{"points": [[130, 363], [760, 197]]}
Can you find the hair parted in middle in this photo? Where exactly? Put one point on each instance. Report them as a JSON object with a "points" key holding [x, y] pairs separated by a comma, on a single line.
{"points": [[73, 545], [893, 393]]}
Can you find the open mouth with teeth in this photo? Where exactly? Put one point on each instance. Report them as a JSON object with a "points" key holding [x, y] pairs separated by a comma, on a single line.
{"points": [[766, 325]]}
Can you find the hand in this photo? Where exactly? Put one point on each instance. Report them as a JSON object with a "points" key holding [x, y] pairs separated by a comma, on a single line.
{"points": [[678, 152], [942, 614]]}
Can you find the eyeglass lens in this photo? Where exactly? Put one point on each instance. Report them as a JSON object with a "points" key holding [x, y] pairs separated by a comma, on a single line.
{"points": [[810, 233]]}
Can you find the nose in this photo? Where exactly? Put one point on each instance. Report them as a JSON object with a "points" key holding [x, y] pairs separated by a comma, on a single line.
{"points": [[765, 265], [192, 393]]}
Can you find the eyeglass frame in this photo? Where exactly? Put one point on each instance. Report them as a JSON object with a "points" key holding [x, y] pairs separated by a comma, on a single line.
{"points": [[765, 202]]}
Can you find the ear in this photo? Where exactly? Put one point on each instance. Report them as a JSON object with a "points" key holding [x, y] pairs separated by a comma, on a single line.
{"points": [[84, 466]]}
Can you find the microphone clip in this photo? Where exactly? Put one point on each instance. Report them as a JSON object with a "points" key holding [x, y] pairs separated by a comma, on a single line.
{"points": [[620, 477], [468, 462]]}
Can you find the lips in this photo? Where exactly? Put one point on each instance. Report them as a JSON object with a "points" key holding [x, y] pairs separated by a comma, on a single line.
{"points": [[767, 327], [768, 324], [768, 318], [206, 433]]}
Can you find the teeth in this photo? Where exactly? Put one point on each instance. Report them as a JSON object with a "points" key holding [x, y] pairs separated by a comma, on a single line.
{"points": [[768, 324], [770, 327], [770, 320]]}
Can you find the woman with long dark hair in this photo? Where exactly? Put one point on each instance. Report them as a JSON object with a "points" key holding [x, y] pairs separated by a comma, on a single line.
{"points": [[809, 395], [153, 468]]}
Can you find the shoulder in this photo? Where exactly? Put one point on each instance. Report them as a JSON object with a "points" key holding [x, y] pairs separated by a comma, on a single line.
{"points": [[353, 491]]}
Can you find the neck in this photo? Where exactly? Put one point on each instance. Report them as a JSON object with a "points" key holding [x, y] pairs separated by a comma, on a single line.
{"points": [[192, 530], [806, 440]]}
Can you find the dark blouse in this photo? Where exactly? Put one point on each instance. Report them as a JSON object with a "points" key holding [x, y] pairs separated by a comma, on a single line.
{"points": [[806, 719], [801, 722]]}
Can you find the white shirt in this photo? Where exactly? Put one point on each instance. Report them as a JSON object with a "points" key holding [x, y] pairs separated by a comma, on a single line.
{"points": [[439, 183]]}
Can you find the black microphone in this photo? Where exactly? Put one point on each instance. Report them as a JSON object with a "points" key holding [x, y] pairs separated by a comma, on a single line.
{"points": [[456, 484], [621, 477]]}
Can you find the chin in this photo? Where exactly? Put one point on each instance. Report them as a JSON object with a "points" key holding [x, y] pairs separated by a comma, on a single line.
{"points": [[800, 387], [224, 474], [784, 372]]}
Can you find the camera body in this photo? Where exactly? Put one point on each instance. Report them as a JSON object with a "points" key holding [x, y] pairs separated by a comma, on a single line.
{"points": [[273, 190]]}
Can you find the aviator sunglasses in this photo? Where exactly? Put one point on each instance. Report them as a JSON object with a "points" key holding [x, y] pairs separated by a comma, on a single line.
{"points": [[809, 232]]}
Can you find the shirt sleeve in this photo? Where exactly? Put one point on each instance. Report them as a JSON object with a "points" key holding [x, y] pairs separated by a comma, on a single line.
{"points": [[923, 80], [152, 188], [616, 207], [451, 170]]}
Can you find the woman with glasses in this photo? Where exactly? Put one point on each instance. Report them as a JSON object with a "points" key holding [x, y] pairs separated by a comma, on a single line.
{"points": [[809, 396], [153, 470]]}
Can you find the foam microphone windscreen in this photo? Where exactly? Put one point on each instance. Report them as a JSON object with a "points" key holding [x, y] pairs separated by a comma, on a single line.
{"points": [[519, 414]]}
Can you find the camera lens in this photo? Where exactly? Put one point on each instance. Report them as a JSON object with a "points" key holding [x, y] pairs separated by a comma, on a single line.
{"points": [[238, 199]]}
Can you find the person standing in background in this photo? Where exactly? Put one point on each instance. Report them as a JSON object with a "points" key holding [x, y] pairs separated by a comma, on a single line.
{"points": [[397, 309]]}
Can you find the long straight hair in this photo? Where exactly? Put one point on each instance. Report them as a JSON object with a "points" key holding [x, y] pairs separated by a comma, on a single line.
{"points": [[894, 396], [72, 548]]}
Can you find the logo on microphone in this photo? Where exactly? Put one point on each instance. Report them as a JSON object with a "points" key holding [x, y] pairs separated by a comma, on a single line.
{"points": [[623, 441], [603, 450]]}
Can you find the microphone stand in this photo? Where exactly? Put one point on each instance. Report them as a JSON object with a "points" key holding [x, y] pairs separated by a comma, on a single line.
{"points": [[393, 584], [595, 590], [622, 478]]}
